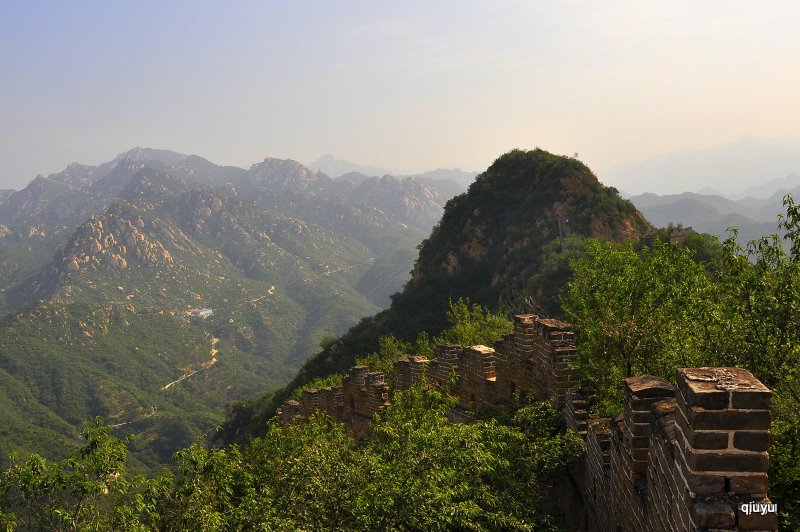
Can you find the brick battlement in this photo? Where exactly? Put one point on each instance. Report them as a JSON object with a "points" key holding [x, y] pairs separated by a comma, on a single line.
{"points": [[534, 358], [682, 458], [676, 458]]}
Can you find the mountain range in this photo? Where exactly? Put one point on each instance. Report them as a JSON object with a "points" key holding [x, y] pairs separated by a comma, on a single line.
{"points": [[334, 167], [101, 266], [714, 214], [104, 270]]}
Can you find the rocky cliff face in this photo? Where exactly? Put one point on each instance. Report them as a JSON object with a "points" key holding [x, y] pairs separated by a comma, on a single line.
{"points": [[285, 174], [407, 199]]}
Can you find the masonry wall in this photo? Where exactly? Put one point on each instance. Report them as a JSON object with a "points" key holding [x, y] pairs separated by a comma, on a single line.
{"points": [[676, 458], [361, 394]]}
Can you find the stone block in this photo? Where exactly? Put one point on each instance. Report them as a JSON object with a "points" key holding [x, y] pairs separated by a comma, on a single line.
{"points": [[757, 398], [713, 514], [701, 419], [748, 483], [700, 482], [665, 407], [638, 442], [701, 393], [751, 440], [638, 404], [648, 386], [638, 416], [728, 460], [640, 466], [717, 388], [702, 439], [641, 429], [641, 454]]}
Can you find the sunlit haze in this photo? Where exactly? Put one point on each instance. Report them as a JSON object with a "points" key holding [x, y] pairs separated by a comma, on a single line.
{"points": [[407, 86]]}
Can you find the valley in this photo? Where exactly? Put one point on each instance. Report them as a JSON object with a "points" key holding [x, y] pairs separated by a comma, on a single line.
{"points": [[100, 265]]}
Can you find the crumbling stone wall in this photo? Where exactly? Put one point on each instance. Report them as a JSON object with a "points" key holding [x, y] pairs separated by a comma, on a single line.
{"points": [[676, 458], [361, 394], [682, 458]]}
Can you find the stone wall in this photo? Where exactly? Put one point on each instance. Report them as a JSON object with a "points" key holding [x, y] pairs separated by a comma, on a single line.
{"points": [[678, 459], [361, 394], [682, 458]]}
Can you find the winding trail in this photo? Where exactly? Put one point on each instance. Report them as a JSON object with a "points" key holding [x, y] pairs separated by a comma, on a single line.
{"points": [[203, 367]]}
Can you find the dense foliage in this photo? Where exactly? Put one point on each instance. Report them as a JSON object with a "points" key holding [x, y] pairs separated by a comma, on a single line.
{"points": [[417, 471], [469, 324], [653, 310]]}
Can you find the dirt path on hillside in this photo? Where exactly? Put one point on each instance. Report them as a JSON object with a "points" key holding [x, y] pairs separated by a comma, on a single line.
{"points": [[203, 366]]}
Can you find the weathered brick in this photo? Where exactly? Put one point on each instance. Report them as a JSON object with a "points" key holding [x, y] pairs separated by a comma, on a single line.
{"points": [[711, 387], [640, 466], [713, 514], [751, 440], [639, 442], [648, 386], [756, 398], [748, 483], [701, 419], [702, 394], [726, 461], [702, 439], [700, 482]]}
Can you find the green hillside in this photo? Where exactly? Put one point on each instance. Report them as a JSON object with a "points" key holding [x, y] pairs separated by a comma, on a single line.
{"points": [[496, 244], [105, 262]]}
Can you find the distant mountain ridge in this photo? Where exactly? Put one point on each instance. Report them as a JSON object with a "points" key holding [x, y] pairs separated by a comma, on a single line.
{"points": [[770, 188], [713, 214], [334, 167], [731, 167], [337, 168], [99, 265]]}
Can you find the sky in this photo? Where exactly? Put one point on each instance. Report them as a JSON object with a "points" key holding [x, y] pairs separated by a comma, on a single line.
{"points": [[409, 86]]}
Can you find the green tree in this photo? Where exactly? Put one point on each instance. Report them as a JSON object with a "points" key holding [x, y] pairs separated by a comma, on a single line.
{"points": [[416, 471], [473, 325], [628, 308], [88, 491]]}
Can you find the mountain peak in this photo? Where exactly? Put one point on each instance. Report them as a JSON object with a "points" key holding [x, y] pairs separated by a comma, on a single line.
{"points": [[330, 165], [534, 196], [283, 174], [152, 154]]}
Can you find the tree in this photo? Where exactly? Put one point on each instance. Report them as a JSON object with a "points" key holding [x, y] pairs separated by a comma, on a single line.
{"points": [[628, 307], [473, 325], [88, 491]]}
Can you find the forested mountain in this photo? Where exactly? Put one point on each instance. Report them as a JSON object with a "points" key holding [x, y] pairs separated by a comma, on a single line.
{"points": [[496, 244], [101, 264]]}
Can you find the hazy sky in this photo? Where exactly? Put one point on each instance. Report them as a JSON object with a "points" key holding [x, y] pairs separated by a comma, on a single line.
{"points": [[404, 85]]}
